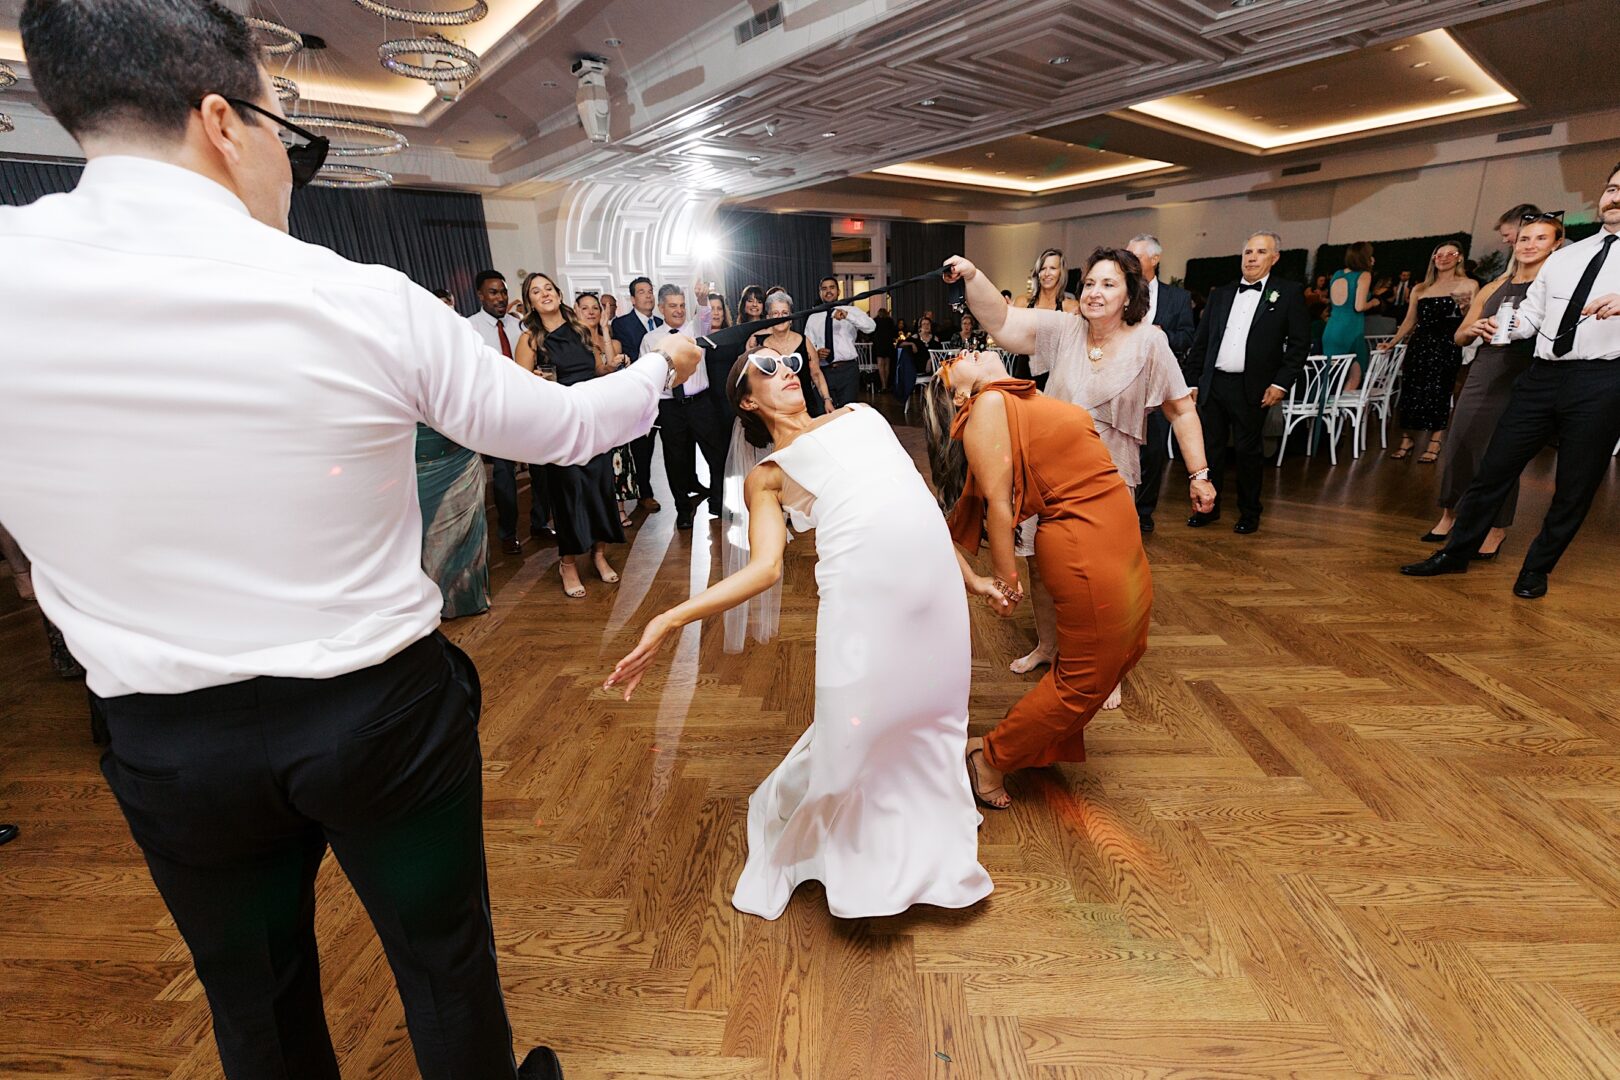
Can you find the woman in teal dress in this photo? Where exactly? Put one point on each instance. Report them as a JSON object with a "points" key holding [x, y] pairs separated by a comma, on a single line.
{"points": [[1350, 294], [455, 532]]}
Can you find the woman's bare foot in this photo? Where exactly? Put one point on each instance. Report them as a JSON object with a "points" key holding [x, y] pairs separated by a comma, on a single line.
{"points": [[987, 782], [1493, 541], [1114, 698], [604, 569], [573, 588], [1025, 664]]}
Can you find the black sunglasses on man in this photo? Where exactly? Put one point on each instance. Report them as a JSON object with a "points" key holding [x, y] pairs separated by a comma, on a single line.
{"points": [[306, 157]]}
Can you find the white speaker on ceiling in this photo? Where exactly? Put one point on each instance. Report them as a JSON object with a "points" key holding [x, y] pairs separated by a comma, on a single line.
{"points": [[591, 97]]}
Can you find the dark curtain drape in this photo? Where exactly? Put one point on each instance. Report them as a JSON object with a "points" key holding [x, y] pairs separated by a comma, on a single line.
{"points": [[21, 182], [438, 239], [916, 248], [1410, 253], [1206, 273], [790, 250]]}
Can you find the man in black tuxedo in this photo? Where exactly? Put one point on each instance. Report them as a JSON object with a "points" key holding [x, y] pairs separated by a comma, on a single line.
{"points": [[1249, 349], [1170, 309], [628, 330]]}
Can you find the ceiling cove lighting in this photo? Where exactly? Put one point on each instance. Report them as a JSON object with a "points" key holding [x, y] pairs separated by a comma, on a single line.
{"points": [[1027, 186], [1231, 129]]}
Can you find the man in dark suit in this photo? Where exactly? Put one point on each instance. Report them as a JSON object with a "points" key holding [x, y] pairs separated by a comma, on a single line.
{"points": [[1170, 309], [628, 330], [1249, 349]]}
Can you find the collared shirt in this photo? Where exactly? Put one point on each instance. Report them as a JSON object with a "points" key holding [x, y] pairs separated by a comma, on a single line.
{"points": [[258, 402], [699, 379], [1153, 299], [485, 323], [1234, 349], [844, 330], [1543, 309], [651, 322]]}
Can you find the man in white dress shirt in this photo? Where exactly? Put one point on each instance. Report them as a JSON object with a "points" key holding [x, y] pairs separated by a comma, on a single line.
{"points": [[832, 335], [500, 332], [689, 417], [245, 589], [1570, 394]]}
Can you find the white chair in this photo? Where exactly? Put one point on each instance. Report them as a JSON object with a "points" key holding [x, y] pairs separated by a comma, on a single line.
{"points": [[1352, 406], [1383, 392], [1378, 341], [1323, 380], [865, 364]]}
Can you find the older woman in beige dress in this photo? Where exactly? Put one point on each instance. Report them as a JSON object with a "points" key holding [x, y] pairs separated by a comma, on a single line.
{"points": [[1115, 364]]}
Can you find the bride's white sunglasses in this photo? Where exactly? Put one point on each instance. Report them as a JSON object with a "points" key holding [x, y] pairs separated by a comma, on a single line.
{"points": [[767, 363]]}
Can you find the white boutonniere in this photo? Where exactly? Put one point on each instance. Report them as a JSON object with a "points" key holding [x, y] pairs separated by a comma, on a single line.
{"points": [[1272, 299]]}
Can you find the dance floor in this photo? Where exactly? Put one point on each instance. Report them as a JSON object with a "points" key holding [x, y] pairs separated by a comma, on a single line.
{"points": [[1346, 825]]}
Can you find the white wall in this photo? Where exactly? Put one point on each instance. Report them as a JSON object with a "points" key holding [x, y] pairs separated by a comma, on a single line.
{"points": [[1463, 197]]}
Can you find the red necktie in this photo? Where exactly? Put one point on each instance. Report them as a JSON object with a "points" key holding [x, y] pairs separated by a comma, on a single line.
{"points": [[506, 346]]}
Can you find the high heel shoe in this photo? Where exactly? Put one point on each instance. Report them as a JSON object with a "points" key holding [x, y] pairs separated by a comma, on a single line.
{"points": [[1432, 537], [577, 593]]}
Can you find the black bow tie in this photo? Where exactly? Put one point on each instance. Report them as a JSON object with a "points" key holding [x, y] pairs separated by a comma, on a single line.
{"points": [[1245, 287]]}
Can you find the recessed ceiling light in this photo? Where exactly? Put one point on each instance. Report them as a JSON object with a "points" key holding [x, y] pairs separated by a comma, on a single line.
{"points": [[755, 157], [1198, 97], [1441, 78], [500, 116], [1399, 48], [1257, 118], [1319, 87], [1459, 90], [1282, 125], [1421, 64], [927, 103], [1001, 172], [1059, 61], [1031, 176], [1229, 108], [549, 83], [828, 134], [613, 42], [990, 154]]}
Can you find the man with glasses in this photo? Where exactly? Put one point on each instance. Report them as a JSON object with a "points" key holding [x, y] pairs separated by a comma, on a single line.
{"points": [[245, 589]]}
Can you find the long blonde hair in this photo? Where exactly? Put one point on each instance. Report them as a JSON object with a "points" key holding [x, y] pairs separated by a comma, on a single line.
{"points": [[537, 329], [1461, 272], [947, 458]]}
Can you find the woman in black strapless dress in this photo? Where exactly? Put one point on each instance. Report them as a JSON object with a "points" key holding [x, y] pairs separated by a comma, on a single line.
{"points": [[584, 508]]}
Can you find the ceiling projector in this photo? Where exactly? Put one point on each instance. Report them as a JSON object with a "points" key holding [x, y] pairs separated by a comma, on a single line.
{"points": [[592, 97]]}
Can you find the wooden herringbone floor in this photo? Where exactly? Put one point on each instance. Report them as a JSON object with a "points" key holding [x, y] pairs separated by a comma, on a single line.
{"points": [[1347, 825]]}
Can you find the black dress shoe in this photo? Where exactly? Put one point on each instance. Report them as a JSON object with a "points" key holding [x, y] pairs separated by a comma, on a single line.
{"points": [[540, 1064], [683, 518], [1146, 523], [1530, 586], [8, 833], [1441, 562], [1198, 521], [1432, 537], [1246, 525], [513, 546]]}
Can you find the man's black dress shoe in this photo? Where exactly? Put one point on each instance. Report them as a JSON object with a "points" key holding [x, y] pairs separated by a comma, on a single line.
{"points": [[1146, 523], [8, 833], [1198, 521], [1246, 525], [1441, 562], [683, 518], [1530, 586], [513, 546], [540, 1064]]}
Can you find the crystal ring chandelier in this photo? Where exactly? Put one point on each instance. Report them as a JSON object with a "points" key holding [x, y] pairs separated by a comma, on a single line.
{"points": [[469, 14], [284, 41], [455, 63], [354, 177], [286, 89], [8, 77], [392, 142]]}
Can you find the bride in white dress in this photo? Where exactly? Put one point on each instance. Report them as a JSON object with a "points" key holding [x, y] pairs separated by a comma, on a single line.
{"points": [[873, 800]]}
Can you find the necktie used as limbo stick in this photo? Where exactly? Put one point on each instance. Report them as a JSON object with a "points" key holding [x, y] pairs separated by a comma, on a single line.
{"points": [[731, 335]]}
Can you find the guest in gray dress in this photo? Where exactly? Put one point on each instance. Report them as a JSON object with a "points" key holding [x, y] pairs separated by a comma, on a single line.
{"points": [[1491, 377]]}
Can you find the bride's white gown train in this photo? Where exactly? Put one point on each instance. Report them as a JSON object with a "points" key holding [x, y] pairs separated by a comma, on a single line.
{"points": [[873, 801]]}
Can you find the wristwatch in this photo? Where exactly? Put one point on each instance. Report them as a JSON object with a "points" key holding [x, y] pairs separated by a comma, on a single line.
{"points": [[1201, 474]]}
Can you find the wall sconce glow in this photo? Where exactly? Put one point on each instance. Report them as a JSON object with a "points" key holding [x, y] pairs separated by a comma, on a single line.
{"points": [[1183, 112], [941, 174]]}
